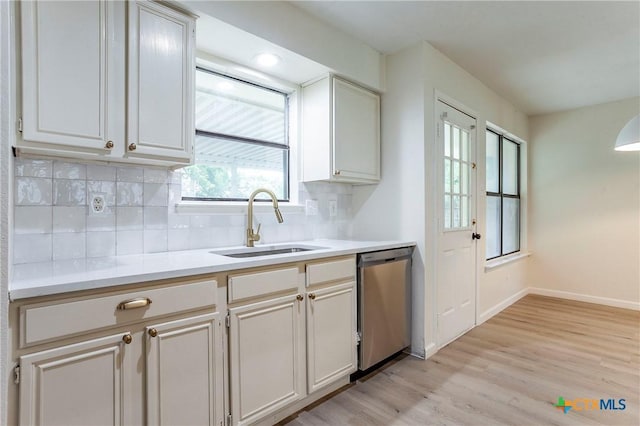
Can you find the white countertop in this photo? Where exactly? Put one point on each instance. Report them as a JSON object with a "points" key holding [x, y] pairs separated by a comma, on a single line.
{"points": [[47, 278]]}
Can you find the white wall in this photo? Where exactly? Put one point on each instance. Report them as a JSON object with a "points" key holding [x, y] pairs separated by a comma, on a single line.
{"points": [[294, 29], [585, 204], [403, 205]]}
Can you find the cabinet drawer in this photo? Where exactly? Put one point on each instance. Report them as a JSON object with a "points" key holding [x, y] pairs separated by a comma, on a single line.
{"points": [[46, 321], [336, 270], [262, 283]]}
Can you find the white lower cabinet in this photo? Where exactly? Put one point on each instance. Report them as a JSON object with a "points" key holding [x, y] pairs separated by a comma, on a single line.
{"points": [[184, 372], [266, 357], [331, 334], [79, 384]]}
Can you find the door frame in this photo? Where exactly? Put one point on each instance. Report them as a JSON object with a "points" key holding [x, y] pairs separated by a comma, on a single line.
{"points": [[436, 166]]}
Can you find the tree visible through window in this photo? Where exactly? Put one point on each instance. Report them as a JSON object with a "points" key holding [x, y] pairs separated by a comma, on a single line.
{"points": [[241, 141], [503, 195]]}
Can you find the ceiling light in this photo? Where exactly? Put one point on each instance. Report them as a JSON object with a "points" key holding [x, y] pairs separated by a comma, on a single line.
{"points": [[266, 60], [629, 136]]}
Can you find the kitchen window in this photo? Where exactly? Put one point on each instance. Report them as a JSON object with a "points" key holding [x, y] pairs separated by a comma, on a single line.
{"points": [[503, 195], [241, 140]]}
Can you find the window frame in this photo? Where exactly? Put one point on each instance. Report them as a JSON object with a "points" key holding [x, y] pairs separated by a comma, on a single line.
{"points": [[286, 148], [501, 195]]}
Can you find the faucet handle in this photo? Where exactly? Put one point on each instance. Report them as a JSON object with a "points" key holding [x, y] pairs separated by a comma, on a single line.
{"points": [[256, 236]]}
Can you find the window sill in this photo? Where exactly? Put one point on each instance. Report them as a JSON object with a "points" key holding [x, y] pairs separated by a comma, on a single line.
{"points": [[232, 207], [501, 261]]}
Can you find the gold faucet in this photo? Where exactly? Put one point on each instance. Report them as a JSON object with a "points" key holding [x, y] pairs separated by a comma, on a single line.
{"points": [[251, 236]]}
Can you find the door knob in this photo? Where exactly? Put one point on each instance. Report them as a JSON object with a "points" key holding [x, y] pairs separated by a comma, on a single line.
{"points": [[475, 236]]}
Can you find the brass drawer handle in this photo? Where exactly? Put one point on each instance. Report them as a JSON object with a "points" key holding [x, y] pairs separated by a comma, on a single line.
{"points": [[132, 147], [312, 296], [109, 145], [138, 302], [336, 172], [300, 297], [153, 332], [127, 338]]}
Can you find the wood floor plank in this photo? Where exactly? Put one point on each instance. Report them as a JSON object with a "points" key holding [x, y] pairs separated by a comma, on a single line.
{"points": [[509, 370]]}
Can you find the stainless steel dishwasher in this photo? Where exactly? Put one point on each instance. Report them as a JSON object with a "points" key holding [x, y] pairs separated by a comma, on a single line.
{"points": [[384, 304]]}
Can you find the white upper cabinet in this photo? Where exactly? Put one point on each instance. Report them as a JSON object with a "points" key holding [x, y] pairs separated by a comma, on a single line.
{"points": [[340, 132], [160, 82], [83, 97]]}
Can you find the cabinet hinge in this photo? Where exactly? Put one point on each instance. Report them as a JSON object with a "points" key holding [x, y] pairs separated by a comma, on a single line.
{"points": [[16, 374], [227, 321], [358, 337], [228, 420], [20, 124]]}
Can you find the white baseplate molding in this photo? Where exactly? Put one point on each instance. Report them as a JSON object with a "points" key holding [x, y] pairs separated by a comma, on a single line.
{"points": [[617, 303]]}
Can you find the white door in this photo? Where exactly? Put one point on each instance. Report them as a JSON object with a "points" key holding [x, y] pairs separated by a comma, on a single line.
{"points": [[266, 356], [184, 372], [456, 274], [161, 72], [331, 323], [79, 384]]}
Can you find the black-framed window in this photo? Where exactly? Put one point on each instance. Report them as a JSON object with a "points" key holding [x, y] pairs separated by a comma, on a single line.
{"points": [[241, 141], [503, 195]]}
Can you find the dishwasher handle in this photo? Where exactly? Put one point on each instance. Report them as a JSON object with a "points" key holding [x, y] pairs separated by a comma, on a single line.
{"points": [[377, 257]]}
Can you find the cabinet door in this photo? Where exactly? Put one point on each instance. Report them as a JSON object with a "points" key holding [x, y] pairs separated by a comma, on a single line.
{"points": [[79, 384], [266, 357], [184, 372], [331, 323], [356, 133], [67, 60], [161, 71]]}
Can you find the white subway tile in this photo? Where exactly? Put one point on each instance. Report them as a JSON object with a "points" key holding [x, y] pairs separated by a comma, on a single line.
{"points": [[69, 219], [129, 194], [32, 219], [155, 241], [130, 174], [31, 248], [178, 221], [33, 168], [70, 245], [129, 242], [175, 194], [175, 177], [200, 238], [68, 192], [178, 239], [33, 191], [100, 244], [106, 221], [155, 218], [155, 176], [129, 218], [96, 172], [63, 170], [155, 194]]}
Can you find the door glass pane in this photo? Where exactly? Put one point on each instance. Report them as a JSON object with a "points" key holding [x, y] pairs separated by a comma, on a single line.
{"points": [[447, 175], [456, 176], [465, 212], [493, 156], [509, 167], [465, 145], [456, 142], [447, 139], [464, 179], [456, 211], [511, 218], [447, 211], [493, 227]]}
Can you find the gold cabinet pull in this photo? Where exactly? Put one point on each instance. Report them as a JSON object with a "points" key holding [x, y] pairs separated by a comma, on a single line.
{"points": [[132, 147], [300, 297], [127, 338], [153, 332], [336, 172], [312, 296], [109, 145], [138, 302]]}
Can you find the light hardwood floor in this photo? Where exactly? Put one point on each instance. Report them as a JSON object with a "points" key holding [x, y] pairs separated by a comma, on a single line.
{"points": [[509, 370]]}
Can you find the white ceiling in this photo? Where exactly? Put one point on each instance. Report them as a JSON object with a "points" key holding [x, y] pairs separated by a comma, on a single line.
{"points": [[543, 56]]}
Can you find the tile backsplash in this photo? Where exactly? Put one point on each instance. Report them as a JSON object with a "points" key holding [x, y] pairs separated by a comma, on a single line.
{"points": [[53, 218]]}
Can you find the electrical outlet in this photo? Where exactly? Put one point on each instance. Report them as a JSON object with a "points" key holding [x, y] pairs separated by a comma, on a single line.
{"points": [[311, 207], [333, 208], [97, 203]]}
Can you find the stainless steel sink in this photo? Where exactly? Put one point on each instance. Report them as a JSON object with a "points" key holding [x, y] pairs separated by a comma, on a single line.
{"points": [[264, 251]]}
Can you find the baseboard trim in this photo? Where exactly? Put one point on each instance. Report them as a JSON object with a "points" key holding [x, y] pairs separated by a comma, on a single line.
{"points": [[616, 303], [430, 350], [496, 309]]}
